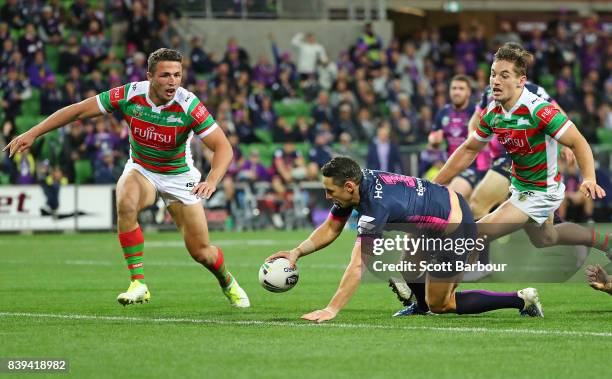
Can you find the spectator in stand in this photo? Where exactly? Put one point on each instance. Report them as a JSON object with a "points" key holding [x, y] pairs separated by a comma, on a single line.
{"points": [[74, 148], [264, 71], [138, 27], [366, 124], [372, 42], [564, 97], [94, 43], [506, 34], [234, 48], [106, 170], [309, 53], [51, 97], [319, 154], [136, 69], [410, 66], [51, 185], [345, 123], [50, 28], [573, 197], [24, 168], [200, 61], [383, 154], [69, 55], [15, 89], [284, 87], [283, 131], [466, 52], [321, 110], [39, 70], [12, 12], [405, 132], [264, 116], [30, 43]]}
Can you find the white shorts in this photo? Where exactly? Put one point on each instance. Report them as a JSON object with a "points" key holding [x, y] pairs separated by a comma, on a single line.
{"points": [[170, 188], [538, 205]]}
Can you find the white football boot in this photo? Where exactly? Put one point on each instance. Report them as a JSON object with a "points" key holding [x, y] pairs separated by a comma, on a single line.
{"points": [[137, 292], [236, 295], [532, 307]]}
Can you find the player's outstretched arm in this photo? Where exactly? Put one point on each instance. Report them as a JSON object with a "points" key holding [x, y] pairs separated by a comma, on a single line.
{"points": [[461, 159], [584, 156], [599, 279], [222, 157], [78, 111], [348, 285], [322, 236]]}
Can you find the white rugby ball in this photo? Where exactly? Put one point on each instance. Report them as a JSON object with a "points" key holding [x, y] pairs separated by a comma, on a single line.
{"points": [[278, 276]]}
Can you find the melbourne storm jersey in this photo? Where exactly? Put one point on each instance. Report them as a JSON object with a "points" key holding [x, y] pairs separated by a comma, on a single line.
{"points": [[495, 148], [529, 133], [387, 198], [454, 125], [159, 135]]}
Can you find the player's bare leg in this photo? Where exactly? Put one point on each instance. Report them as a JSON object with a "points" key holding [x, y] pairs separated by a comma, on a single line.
{"points": [[489, 192], [134, 193], [504, 220], [461, 186], [191, 221]]}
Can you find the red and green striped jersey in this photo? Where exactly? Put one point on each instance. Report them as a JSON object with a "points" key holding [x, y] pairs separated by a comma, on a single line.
{"points": [[159, 135], [529, 133]]}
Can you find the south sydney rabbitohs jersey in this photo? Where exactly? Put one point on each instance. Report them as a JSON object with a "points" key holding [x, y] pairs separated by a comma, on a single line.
{"points": [[159, 135], [529, 133], [387, 198], [495, 148]]}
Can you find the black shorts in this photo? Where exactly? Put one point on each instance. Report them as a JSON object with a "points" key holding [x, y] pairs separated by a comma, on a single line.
{"points": [[466, 230], [503, 166], [472, 176]]}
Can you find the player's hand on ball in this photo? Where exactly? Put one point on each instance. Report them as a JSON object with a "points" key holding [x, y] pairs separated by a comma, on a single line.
{"points": [[20, 143], [204, 190], [320, 315], [591, 189], [598, 278], [292, 256]]}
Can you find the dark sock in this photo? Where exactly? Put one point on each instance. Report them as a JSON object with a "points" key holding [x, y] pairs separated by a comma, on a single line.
{"points": [[419, 292], [479, 301]]}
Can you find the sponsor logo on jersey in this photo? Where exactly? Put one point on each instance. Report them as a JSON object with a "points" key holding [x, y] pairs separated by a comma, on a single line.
{"points": [[138, 110], [547, 113], [157, 137], [116, 94], [174, 119], [525, 194], [199, 113], [378, 189], [514, 140], [522, 121]]}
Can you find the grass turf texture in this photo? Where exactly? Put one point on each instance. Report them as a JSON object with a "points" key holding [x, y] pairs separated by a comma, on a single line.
{"points": [[57, 299]]}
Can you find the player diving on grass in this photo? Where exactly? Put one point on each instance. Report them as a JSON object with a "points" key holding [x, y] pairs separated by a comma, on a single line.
{"points": [[384, 200], [162, 117], [529, 129]]}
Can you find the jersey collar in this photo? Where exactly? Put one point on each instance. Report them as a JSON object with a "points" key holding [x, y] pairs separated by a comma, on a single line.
{"points": [[158, 108], [516, 105]]}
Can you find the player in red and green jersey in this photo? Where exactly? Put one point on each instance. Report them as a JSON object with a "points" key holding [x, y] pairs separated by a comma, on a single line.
{"points": [[162, 117], [529, 128]]}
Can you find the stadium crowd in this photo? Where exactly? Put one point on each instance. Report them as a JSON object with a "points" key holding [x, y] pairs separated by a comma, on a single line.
{"points": [[372, 94]]}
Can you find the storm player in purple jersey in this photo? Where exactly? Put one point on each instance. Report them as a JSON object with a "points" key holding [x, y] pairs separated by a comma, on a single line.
{"points": [[384, 200], [451, 125], [163, 117]]}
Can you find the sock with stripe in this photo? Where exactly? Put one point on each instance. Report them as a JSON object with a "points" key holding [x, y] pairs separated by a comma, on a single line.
{"points": [[132, 244], [479, 301], [218, 269], [601, 241]]}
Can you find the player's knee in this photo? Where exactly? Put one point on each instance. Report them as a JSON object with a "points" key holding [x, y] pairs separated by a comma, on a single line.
{"points": [[127, 210], [203, 253], [543, 241], [439, 305]]}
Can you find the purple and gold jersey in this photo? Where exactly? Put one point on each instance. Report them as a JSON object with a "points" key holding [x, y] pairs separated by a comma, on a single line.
{"points": [[454, 125], [387, 198]]}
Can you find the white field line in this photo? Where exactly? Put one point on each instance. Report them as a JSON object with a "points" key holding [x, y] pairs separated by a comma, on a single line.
{"points": [[84, 262], [333, 325]]}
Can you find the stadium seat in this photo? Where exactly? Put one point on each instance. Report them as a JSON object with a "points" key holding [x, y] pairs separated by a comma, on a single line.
{"points": [[24, 122], [31, 106], [52, 56], [83, 171], [605, 136]]}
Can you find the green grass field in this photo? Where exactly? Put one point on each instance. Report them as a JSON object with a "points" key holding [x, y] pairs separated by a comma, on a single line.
{"points": [[57, 300]]}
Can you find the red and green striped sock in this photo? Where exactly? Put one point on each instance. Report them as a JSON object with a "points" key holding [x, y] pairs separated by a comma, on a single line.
{"points": [[218, 269], [132, 244], [601, 241]]}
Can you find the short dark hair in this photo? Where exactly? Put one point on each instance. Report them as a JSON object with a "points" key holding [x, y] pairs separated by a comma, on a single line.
{"points": [[163, 54], [341, 170], [514, 53], [462, 78]]}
